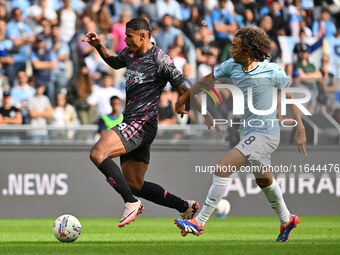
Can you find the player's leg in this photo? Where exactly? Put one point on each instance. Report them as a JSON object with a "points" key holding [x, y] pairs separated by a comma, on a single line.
{"points": [[274, 195], [134, 166], [107, 147], [235, 159]]}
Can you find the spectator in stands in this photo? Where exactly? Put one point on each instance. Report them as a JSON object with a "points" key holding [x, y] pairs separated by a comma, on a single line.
{"points": [[308, 75], [108, 121], [166, 36], [40, 110], [6, 46], [277, 18], [101, 96], [21, 93], [224, 24], [206, 46], [100, 15], [114, 9], [207, 67], [3, 13], [191, 27], [171, 8], [188, 75], [323, 26], [96, 65], [248, 18], [22, 36], [148, 8], [43, 62], [327, 87], [68, 21], [37, 12], [78, 89], [294, 17], [47, 32], [131, 6], [62, 51], [9, 114], [64, 116], [305, 28], [118, 32], [186, 7], [4, 85], [177, 57], [302, 44], [22, 4], [266, 24]]}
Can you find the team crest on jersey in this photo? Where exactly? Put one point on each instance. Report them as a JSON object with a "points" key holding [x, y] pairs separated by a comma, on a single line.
{"points": [[134, 77]]}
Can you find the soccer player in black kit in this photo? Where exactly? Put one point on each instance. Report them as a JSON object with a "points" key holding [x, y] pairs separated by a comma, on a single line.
{"points": [[148, 69]]}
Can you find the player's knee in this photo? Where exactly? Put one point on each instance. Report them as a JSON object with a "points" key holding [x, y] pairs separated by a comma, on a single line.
{"points": [[263, 182], [135, 186], [96, 156]]}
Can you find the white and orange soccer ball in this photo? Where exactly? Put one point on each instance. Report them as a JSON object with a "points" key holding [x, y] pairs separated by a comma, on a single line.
{"points": [[67, 228]]}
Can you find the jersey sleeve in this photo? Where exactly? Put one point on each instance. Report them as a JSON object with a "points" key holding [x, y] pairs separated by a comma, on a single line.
{"points": [[224, 69], [119, 61], [282, 80], [168, 70]]}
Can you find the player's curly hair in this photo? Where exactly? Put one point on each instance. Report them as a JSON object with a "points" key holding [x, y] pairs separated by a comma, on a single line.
{"points": [[256, 42]]}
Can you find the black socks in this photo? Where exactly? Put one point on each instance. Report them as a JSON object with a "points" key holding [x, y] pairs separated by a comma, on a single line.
{"points": [[115, 178], [155, 193]]}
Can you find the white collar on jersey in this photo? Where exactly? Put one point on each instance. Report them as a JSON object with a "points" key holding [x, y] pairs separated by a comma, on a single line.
{"points": [[250, 69]]}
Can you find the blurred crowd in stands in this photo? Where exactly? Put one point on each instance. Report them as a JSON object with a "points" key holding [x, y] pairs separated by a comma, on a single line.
{"points": [[49, 76]]}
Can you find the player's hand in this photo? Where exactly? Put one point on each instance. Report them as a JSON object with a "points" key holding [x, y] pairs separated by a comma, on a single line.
{"points": [[209, 121], [180, 107], [300, 141], [92, 38]]}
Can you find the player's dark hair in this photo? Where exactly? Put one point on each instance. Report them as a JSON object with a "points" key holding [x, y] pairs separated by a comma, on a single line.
{"points": [[256, 42], [139, 24]]}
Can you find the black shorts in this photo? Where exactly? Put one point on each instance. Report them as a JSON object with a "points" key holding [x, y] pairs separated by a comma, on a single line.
{"points": [[137, 136]]}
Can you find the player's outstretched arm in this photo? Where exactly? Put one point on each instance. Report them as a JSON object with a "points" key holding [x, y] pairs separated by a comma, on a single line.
{"points": [[184, 91], [108, 56], [300, 139], [194, 90]]}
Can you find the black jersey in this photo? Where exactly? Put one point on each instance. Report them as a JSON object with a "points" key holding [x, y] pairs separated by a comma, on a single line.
{"points": [[146, 77]]}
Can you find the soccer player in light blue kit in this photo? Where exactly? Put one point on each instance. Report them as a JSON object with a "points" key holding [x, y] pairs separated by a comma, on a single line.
{"points": [[248, 68]]}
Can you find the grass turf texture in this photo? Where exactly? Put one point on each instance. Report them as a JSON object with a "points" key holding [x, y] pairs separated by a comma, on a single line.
{"points": [[234, 235]]}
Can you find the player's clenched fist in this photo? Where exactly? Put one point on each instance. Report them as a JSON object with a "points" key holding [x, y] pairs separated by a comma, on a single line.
{"points": [[92, 38]]}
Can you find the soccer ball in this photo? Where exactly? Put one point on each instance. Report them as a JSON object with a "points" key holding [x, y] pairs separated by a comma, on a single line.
{"points": [[223, 208], [67, 228]]}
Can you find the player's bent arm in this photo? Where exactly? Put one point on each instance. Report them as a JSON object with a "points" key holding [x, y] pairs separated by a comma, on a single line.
{"points": [[107, 55], [185, 98]]}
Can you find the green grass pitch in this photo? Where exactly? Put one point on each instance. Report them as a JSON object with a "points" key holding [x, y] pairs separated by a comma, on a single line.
{"points": [[233, 235]]}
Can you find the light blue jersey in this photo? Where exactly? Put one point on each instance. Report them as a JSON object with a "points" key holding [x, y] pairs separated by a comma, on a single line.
{"points": [[262, 79]]}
